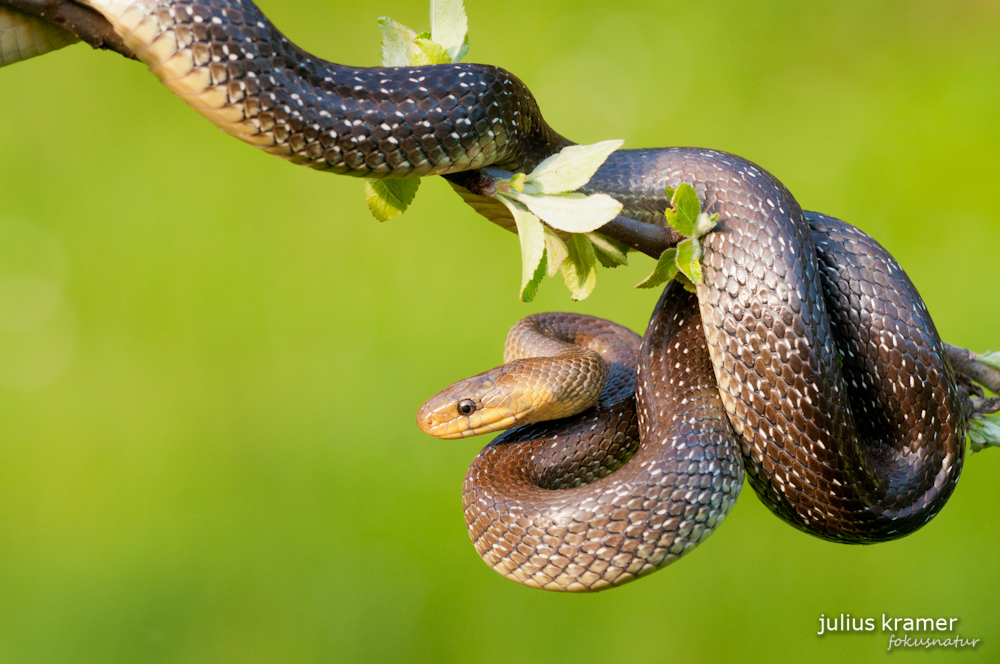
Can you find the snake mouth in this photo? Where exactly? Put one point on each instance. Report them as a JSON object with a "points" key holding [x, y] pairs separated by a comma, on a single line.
{"points": [[456, 428], [472, 407]]}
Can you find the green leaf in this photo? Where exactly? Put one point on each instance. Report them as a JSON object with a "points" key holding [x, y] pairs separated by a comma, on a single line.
{"points": [[450, 27], [990, 359], [572, 213], [689, 259], [572, 167], [532, 235], [462, 51], [530, 289], [665, 270], [580, 267], [387, 199], [686, 283], [555, 252], [686, 206], [705, 224], [622, 247], [397, 40], [609, 253], [516, 182], [983, 432], [686, 202], [427, 52]]}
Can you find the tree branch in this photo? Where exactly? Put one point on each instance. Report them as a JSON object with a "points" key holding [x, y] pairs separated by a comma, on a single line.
{"points": [[649, 239], [973, 375], [966, 362], [82, 22]]}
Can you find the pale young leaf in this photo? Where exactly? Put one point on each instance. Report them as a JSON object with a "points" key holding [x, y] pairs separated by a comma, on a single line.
{"points": [[572, 213], [580, 267], [990, 359], [572, 167], [427, 52], [609, 253], [689, 259], [397, 40], [705, 224], [686, 283], [450, 27], [516, 182], [463, 51], [529, 290], [984, 432], [532, 236], [389, 198], [555, 252]]}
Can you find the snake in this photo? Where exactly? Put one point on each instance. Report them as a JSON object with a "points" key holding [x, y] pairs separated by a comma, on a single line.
{"points": [[805, 362]]}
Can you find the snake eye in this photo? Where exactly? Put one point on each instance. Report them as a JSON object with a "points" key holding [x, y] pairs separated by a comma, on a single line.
{"points": [[466, 406]]}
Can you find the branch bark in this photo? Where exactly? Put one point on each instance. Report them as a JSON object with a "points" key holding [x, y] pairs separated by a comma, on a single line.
{"points": [[966, 362], [82, 22], [972, 376]]}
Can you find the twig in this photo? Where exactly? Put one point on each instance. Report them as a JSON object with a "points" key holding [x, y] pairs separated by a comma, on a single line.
{"points": [[647, 238], [82, 22], [971, 374], [967, 363]]}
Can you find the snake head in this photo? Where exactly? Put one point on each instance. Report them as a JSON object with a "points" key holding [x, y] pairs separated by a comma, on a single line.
{"points": [[519, 392], [469, 407]]}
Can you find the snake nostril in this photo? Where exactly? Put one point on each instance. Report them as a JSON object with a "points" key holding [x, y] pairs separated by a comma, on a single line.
{"points": [[466, 406]]}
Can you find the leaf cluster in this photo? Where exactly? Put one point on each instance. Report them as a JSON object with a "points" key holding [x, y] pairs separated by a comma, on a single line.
{"points": [[566, 242], [683, 262], [557, 226], [984, 432], [447, 42]]}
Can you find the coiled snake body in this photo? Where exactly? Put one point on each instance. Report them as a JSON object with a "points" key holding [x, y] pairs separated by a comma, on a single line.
{"points": [[807, 359]]}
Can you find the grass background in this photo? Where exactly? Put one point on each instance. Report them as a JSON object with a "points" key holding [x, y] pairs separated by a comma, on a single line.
{"points": [[210, 360]]}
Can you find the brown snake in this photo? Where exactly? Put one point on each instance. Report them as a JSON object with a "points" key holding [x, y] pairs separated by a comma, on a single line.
{"points": [[807, 360]]}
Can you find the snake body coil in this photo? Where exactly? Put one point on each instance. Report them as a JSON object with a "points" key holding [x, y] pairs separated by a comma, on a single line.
{"points": [[807, 359], [633, 485]]}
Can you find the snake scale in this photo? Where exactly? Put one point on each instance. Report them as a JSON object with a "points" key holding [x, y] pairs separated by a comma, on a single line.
{"points": [[807, 361]]}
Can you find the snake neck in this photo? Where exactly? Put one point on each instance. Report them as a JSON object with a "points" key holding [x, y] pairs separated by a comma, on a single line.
{"points": [[551, 333]]}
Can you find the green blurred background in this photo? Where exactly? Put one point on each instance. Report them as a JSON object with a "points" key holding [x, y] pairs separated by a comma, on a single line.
{"points": [[210, 360]]}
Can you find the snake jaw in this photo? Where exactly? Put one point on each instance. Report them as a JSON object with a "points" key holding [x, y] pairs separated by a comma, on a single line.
{"points": [[456, 433]]}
